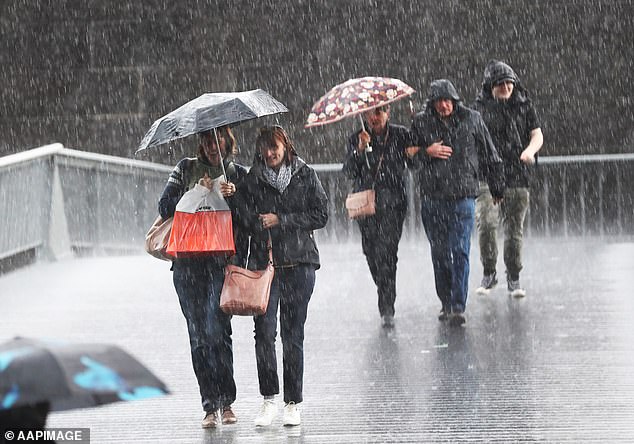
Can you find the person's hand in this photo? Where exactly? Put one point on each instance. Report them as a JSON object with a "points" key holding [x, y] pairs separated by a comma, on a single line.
{"points": [[227, 189], [206, 181], [497, 200], [527, 157], [364, 141], [269, 220], [439, 151], [411, 151]]}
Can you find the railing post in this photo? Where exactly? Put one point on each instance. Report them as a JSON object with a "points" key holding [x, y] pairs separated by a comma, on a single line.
{"points": [[58, 239]]}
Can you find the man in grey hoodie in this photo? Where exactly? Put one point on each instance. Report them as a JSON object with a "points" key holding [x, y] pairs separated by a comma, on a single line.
{"points": [[514, 127]]}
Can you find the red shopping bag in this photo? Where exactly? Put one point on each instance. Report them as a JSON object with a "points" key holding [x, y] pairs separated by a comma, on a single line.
{"points": [[202, 224]]}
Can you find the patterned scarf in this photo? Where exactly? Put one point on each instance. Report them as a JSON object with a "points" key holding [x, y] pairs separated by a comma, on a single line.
{"points": [[279, 180]]}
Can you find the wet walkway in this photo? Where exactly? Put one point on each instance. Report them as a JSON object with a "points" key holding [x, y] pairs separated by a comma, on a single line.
{"points": [[556, 366]]}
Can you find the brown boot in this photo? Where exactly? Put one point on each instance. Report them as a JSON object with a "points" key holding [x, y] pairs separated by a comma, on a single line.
{"points": [[210, 421], [228, 417]]}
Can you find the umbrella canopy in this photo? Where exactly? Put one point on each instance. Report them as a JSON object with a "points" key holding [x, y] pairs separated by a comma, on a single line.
{"points": [[356, 96], [209, 111], [71, 376]]}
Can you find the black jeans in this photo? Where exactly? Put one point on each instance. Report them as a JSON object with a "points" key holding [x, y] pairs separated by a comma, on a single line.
{"points": [[291, 291], [198, 283], [380, 235]]}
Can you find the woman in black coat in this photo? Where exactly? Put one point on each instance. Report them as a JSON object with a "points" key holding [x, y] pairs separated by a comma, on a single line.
{"points": [[282, 197], [381, 169], [198, 280]]}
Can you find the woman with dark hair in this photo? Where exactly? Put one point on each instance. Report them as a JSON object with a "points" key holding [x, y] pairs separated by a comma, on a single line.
{"points": [[283, 200], [198, 280]]}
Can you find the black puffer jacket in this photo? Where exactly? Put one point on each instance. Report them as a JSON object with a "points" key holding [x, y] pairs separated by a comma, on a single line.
{"points": [[302, 208], [390, 182], [510, 122], [473, 150]]}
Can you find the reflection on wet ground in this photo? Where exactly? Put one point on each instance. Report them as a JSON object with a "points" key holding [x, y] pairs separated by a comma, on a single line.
{"points": [[555, 366]]}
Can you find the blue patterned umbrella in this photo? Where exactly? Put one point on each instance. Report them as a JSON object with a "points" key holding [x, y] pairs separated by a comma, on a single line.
{"points": [[71, 376]]}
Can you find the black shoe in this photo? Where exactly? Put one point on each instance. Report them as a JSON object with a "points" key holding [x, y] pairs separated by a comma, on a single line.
{"points": [[443, 315], [456, 319]]}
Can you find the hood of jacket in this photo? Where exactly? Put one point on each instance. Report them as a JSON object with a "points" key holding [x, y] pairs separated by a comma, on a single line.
{"points": [[442, 89], [496, 71]]}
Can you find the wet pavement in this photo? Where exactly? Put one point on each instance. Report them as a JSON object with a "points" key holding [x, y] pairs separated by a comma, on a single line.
{"points": [[555, 366]]}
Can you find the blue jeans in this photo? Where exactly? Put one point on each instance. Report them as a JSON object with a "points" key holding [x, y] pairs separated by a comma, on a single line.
{"points": [[198, 283], [448, 225], [291, 291]]}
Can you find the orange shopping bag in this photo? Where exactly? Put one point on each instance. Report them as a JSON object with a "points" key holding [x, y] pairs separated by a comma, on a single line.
{"points": [[202, 224]]}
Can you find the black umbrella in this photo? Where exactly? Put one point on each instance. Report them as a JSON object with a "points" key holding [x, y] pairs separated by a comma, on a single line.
{"points": [[210, 111], [70, 376]]}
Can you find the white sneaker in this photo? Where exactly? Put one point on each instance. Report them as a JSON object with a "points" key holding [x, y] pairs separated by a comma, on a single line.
{"points": [[267, 414], [515, 289], [291, 415]]}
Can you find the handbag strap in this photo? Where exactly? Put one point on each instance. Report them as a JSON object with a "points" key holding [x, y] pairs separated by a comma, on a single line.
{"points": [[376, 175], [269, 247]]}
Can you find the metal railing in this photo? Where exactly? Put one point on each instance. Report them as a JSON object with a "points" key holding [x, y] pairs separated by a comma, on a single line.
{"points": [[570, 196], [57, 201], [60, 201]]}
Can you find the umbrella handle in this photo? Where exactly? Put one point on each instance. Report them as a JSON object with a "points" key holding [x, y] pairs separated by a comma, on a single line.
{"points": [[222, 164], [368, 147]]}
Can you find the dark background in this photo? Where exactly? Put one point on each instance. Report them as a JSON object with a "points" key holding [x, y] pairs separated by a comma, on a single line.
{"points": [[94, 75]]}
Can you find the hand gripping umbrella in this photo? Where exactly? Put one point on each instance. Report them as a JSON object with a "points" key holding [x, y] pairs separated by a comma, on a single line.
{"points": [[70, 376], [211, 111]]}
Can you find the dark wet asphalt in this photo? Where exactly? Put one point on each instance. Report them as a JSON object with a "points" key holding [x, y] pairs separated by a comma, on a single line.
{"points": [[556, 366]]}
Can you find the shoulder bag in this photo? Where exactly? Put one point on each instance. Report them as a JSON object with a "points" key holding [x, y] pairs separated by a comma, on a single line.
{"points": [[157, 238], [363, 203], [246, 292]]}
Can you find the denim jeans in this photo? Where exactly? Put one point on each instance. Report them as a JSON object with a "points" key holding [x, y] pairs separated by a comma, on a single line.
{"points": [[513, 211], [198, 283], [290, 291], [448, 225], [380, 235]]}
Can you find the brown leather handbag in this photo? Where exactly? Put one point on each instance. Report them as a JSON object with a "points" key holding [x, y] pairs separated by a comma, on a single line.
{"points": [[246, 292], [157, 238], [363, 203]]}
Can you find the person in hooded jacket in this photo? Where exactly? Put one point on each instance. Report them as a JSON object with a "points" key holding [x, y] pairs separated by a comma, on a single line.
{"points": [[198, 280], [282, 197], [515, 129], [382, 168], [453, 145]]}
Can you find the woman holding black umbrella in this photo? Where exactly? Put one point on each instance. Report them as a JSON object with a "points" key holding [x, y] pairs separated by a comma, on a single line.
{"points": [[198, 280], [283, 200]]}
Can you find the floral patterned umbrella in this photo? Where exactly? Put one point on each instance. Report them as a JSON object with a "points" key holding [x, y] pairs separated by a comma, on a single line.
{"points": [[354, 97]]}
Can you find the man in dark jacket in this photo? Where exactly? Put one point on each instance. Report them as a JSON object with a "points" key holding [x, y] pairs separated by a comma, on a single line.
{"points": [[453, 146], [383, 169], [511, 118]]}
